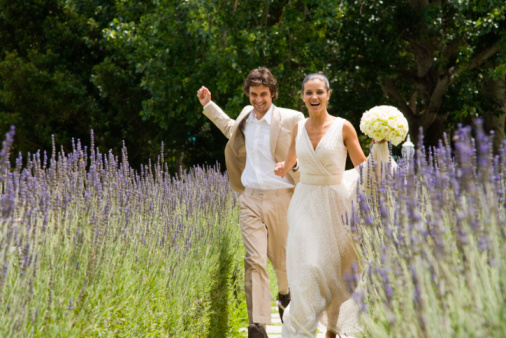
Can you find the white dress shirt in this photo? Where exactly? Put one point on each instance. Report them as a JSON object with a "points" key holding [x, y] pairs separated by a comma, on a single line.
{"points": [[259, 170]]}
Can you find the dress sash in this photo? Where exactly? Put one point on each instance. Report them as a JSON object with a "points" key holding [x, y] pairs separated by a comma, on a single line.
{"points": [[321, 179]]}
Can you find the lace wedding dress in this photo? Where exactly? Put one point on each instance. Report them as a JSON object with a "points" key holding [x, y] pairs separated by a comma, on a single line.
{"points": [[319, 249]]}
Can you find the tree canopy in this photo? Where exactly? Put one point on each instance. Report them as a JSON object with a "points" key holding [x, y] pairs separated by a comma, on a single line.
{"points": [[129, 70], [428, 57]]}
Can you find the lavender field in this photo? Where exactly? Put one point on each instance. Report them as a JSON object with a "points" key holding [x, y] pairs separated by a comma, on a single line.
{"points": [[91, 247], [433, 240]]}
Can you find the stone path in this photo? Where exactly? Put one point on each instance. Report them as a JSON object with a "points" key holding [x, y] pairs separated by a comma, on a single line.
{"points": [[274, 330]]}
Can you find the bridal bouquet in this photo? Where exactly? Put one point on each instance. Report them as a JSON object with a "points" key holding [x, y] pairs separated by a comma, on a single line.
{"points": [[384, 123]]}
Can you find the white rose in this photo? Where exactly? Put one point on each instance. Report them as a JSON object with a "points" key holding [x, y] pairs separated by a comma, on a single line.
{"points": [[384, 115], [392, 124], [377, 126], [377, 136], [373, 116], [393, 134], [397, 140], [369, 130]]}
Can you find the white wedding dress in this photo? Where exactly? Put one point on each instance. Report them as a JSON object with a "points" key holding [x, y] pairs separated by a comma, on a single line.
{"points": [[319, 249]]}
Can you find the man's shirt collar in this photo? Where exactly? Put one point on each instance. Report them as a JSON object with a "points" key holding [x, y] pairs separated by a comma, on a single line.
{"points": [[267, 117]]}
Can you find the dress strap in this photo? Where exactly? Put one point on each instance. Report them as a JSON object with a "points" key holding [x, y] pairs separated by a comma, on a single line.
{"points": [[300, 130], [339, 130], [301, 125]]}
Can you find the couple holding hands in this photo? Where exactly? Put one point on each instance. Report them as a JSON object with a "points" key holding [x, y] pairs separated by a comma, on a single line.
{"points": [[294, 189]]}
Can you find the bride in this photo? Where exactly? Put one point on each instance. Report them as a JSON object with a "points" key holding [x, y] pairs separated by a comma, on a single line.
{"points": [[319, 251]]}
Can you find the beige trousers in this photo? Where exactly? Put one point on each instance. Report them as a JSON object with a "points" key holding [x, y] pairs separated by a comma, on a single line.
{"points": [[264, 229]]}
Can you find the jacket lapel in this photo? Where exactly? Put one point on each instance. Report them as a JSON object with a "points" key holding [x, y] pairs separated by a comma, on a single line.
{"points": [[275, 130], [237, 140]]}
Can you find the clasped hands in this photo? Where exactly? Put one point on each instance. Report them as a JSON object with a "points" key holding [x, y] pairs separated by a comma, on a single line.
{"points": [[279, 169]]}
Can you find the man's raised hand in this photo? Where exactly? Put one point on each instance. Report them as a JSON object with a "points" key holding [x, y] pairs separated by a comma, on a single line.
{"points": [[204, 96]]}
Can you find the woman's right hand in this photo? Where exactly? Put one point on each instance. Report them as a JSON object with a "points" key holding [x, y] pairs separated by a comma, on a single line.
{"points": [[204, 96], [279, 169]]}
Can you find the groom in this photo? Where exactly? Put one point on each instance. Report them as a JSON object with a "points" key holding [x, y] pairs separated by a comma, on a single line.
{"points": [[258, 139]]}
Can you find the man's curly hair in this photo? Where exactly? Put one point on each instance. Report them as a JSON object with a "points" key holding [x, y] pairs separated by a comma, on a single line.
{"points": [[261, 76]]}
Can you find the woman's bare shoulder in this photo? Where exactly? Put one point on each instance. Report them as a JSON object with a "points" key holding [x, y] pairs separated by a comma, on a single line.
{"points": [[348, 130]]}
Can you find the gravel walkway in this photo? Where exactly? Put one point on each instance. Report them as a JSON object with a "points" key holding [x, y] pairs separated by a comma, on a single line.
{"points": [[274, 330]]}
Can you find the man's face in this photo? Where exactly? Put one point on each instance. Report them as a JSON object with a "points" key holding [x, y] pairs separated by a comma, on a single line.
{"points": [[261, 98]]}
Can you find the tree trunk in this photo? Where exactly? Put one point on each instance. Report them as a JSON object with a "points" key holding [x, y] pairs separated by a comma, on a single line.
{"points": [[434, 132], [494, 118]]}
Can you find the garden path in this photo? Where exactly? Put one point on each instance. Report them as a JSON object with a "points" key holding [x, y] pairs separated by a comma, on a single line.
{"points": [[274, 330]]}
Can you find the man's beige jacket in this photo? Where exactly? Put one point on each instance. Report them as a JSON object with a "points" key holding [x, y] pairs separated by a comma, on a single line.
{"points": [[282, 123]]}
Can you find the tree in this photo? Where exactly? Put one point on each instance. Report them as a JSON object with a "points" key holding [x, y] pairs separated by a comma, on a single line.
{"points": [[428, 57], [59, 76], [130, 69], [42, 90], [178, 46]]}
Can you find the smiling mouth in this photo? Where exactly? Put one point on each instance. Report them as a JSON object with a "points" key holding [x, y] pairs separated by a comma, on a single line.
{"points": [[315, 104]]}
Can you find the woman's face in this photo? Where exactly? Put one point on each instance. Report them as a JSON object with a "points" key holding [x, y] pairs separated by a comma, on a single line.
{"points": [[315, 96]]}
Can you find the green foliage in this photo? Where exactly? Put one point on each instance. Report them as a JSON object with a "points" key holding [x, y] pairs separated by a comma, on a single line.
{"points": [[178, 46], [53, 67], [130, 70], [36, 93], [431, 241], [426, 59], [90, 247]]}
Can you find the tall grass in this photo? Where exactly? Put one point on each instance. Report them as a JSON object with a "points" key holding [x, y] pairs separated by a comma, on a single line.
{"points": [[91, 247], [433, 243]]}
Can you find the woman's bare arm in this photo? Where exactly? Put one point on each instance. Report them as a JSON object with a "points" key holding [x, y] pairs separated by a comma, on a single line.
{"points": [[282, 168], [351, 142]]}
